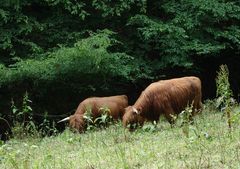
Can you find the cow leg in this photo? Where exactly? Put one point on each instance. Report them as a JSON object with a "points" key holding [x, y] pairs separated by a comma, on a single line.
{"points": [[191, 114], [197, 106], [191, 119], [155, 119]]}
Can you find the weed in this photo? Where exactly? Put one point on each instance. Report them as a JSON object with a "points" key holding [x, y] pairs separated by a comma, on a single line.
{"points": [[105, 119], [23, 119], [46, 128], [24, 124], [185, 117], [150, 127], [102, 121], [224, 92]]}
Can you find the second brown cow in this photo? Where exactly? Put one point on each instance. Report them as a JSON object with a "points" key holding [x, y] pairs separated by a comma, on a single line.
{"points": [[115, 104], [166, 97]]}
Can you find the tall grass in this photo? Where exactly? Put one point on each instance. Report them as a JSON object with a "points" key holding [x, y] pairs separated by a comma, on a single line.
{"points": [[208, 145]]}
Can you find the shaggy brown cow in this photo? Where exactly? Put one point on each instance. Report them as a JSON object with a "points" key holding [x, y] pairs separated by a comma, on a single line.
{"points": [[115, 104], [167, 97]]}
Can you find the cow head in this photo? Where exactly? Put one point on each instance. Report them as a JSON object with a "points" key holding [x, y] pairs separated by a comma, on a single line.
{"points": [[132, 116], [76, 122]]}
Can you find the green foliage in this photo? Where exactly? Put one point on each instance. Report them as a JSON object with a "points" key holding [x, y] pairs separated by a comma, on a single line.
{"points": [[179, 32], [31, 28], [110, 8], [178, 29], [163, 36], [73, 7], [212, 17], [14, 26]]}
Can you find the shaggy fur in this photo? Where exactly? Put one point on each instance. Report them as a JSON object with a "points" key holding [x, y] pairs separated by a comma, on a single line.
{"points": [[167, 97], [115, 104]]}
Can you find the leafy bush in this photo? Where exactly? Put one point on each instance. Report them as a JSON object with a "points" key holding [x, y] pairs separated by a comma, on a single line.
{"points": [[89, 57]]}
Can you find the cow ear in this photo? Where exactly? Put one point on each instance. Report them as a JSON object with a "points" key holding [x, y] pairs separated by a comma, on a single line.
{"points": [[139, 110], [136, 111]]}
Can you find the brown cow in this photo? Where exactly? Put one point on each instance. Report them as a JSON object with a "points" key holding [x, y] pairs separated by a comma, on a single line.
{"points": [[167, 97], [115, 104]]}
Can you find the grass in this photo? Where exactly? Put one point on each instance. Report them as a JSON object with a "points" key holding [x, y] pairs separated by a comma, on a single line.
{"points": [[209, 145]]}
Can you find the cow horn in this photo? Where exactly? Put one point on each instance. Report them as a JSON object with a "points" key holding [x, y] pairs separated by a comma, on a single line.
{"points": [[135, 110], [65, 119]]}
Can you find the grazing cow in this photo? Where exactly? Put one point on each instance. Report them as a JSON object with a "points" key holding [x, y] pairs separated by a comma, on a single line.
{"points": [[115, 104], [167, 97]]}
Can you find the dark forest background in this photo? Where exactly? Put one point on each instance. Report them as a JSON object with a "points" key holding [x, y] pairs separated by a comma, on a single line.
{"points": [[62, 51]]}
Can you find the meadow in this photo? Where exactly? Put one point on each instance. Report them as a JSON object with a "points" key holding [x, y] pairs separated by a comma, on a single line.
{"points": [[209, 144]]}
